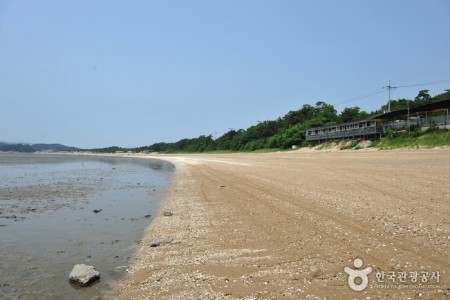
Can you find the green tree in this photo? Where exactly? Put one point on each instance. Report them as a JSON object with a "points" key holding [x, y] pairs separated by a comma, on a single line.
{"points": [[396, 105], [349, 114], [326, 113], [307, 112], [443, 96], [423, 98]]}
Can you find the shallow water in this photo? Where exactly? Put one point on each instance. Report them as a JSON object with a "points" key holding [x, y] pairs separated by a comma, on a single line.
{"points": [[47, 223]]}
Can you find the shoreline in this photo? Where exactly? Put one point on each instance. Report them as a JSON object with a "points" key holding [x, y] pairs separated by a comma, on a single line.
{"points": [[58, 211], [263, 226]]}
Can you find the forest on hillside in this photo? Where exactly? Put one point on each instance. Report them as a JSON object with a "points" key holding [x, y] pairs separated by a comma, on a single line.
{"points": [[288, 130], [24, 147], [281, 133]]}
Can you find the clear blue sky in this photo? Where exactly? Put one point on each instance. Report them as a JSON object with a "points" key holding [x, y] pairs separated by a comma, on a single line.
{"points": [[131, 73]]}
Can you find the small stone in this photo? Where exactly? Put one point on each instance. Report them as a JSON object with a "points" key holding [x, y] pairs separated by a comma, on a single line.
{"points": [[167, 240], [164, 241], [315, 271], [168, 214], [83, 275], [155, 244]]}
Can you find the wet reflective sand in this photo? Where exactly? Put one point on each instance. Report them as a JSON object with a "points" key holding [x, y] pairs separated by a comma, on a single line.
{"points": [[48, 224]]}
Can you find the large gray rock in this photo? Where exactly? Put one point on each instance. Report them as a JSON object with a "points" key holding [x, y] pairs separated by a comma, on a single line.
{"points": [[83, 274]]}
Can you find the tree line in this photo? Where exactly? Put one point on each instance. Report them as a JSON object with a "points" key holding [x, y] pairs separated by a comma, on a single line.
{"points": [[30, 148], [281, 133], [288, 130]]}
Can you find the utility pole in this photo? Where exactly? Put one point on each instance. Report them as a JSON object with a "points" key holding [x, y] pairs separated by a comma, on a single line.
{"points": [[407, 120], [389, 87]]}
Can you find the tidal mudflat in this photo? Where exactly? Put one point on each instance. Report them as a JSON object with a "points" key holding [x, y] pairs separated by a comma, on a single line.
{"points": [[48, 223]]}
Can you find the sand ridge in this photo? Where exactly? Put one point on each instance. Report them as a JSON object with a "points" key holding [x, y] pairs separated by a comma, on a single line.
{"points": [[285, 225]]}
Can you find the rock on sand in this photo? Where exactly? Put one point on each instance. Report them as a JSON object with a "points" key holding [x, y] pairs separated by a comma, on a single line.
{"points": [[83, 274]]}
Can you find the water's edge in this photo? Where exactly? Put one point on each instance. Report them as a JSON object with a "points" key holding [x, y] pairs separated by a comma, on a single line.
{"points": [[50, 229]]}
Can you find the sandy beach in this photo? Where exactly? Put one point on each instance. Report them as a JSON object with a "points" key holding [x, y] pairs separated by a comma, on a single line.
{"points": [[285, 225]]}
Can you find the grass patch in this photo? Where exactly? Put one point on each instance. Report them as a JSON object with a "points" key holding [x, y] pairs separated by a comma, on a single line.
{"points": [[435, 139], [374, 144], [350, 145], [430, 138]]}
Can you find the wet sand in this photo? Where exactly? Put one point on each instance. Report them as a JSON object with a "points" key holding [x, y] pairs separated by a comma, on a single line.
{"points": [[48, 223], [285, 225]]}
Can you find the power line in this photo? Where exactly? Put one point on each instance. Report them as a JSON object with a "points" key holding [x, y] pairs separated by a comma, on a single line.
{"points": [[389, 87], [367, 95], [427, 83]]}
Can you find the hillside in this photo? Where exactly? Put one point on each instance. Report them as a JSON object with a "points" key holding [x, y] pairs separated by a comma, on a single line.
{"points": [[285, 131], [53, 147], [281, 133], [22, 147]]}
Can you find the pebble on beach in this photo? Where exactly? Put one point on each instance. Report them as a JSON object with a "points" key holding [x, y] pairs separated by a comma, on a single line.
{"points": [[155, 244], [164, 241]]}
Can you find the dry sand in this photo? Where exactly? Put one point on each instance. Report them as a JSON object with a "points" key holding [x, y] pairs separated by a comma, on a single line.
{"points": [[284, 226]]}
